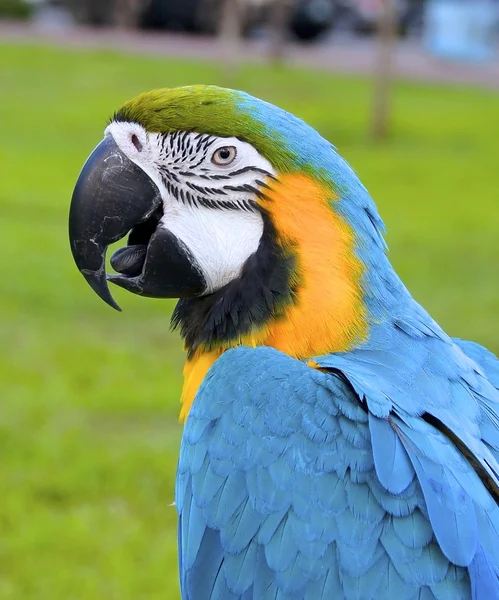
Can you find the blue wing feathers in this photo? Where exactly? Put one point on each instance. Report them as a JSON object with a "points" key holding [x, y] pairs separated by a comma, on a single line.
{"points": [[309, 485], [430, 567], [329, 586], [484, 575], [489, 531], [291, 580], [483, 358], [198, 582], [282, 548], [221, 589], [269, 526], [352, 433], [450, 508], [354, 532], [453, 587], [398, 552], [362, 503], [358, 460], [425, 594], [239, 568], [397, 587], [413, 530], [356, 556], [329, 495], [313, 569], [191, 517], [207, 484], [197, 455], [231, 496], [269, 496], [393, 467], [365, 587], [264, 585], [398, 505], [242, 527]]}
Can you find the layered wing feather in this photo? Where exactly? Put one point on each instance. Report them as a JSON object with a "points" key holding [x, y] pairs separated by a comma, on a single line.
{"points": [[299, 484], [444, 409]]}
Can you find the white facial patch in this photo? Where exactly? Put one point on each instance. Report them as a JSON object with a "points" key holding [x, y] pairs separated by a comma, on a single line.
{"points": [[220, 240], [209, 187]]}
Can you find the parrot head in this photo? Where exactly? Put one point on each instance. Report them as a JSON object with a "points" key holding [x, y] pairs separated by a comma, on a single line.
{"points": [[240, 210]]}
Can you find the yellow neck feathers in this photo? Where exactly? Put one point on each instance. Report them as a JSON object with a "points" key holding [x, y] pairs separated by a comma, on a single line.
{"points": [[329, 314]]}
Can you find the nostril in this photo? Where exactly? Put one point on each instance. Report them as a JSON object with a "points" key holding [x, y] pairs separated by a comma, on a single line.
{"points": [[136, 143]]}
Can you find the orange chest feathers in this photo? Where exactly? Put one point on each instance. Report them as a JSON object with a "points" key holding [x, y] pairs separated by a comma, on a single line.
{"points": [[328, 314]]}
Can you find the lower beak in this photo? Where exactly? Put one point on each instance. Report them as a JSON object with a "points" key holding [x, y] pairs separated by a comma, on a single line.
{"points": [[114, 196]]}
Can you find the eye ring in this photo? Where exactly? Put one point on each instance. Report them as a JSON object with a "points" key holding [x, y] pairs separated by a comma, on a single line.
{"points": [[223, 156]]}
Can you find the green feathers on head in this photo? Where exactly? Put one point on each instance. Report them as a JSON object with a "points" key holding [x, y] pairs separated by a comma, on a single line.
{"points": [[211, 110], [206, 109]]}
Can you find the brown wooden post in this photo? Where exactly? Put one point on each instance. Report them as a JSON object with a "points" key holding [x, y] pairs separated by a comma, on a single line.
{"points": [[127, 12], [386, 40], [280, 16], [229, 34]]}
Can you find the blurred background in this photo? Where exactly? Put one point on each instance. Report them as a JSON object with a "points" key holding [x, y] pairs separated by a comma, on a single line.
{"points": [[408, 92]]}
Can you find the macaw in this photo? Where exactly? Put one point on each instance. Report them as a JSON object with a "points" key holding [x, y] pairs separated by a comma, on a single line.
{"points": [[338, 444]]}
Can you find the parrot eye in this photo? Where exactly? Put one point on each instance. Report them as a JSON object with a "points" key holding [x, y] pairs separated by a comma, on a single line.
{"points": [[224, 156]]}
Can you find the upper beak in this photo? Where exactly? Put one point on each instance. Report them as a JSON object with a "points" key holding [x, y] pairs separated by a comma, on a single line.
{"points": [[112, 197]]}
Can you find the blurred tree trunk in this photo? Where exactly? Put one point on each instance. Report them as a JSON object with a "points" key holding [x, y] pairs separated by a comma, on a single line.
{"points": [[126, 13], [383, 71], [229, 33], [280, 16]]}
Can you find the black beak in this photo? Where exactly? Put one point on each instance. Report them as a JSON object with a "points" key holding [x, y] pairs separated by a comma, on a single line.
{"points": [[114, 196]]}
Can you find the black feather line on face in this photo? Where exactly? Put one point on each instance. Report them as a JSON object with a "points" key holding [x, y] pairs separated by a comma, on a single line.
{"points": [[193, 196], [251, 169], [262, 292], [205, 190]]}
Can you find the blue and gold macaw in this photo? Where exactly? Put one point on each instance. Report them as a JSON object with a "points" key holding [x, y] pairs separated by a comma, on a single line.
{"points": [[337, 443]]}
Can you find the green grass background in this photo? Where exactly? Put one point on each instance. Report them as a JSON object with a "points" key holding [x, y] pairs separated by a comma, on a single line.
{"points": [[89, 397]]}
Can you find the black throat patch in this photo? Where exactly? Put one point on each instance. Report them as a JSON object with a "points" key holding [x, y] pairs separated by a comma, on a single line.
{"points": [[262, 291]]}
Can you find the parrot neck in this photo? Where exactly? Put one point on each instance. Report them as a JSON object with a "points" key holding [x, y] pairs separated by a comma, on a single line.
{"points": [[300, 293]]}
